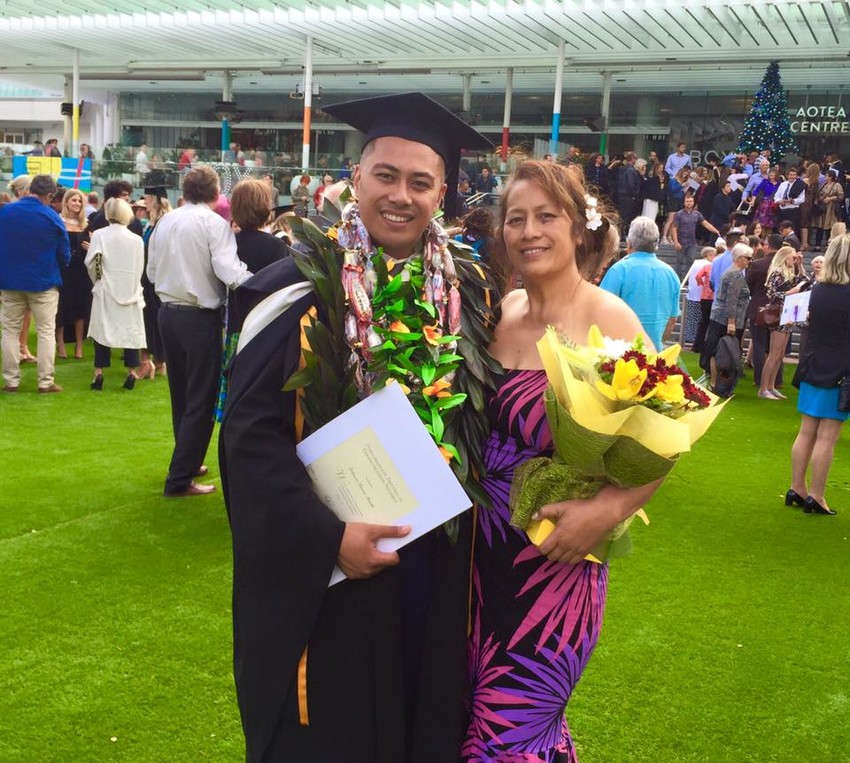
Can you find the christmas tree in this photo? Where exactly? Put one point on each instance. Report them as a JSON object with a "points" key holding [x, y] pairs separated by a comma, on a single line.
{"points": [[768, 125]]}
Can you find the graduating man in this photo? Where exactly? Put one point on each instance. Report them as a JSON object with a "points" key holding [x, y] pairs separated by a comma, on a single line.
{"points": [[373, 669]]}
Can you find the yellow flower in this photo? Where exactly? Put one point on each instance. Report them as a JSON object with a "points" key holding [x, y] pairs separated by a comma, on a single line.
{"points": [[432, 334], [627, 381], [399, 327], [670, 390], [669, 356], [445, 454], [404, 387], [595, 337], [438, 389]]}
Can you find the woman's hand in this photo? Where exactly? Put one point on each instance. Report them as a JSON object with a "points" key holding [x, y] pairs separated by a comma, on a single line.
{"points": [[579, 526], [84, 245], [582, 524]]}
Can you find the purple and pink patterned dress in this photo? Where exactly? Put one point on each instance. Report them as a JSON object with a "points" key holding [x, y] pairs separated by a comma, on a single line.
{"points": [[535, 622]]}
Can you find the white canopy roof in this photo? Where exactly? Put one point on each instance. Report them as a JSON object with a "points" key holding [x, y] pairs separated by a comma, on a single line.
{"points": [[383, 45]]}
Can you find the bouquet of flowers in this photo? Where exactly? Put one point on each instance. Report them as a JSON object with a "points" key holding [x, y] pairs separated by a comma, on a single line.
{"points": [[618, 415]]}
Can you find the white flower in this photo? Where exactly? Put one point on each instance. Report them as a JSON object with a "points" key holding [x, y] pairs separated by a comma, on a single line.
{"points": [[594, 219], [614, 348]]}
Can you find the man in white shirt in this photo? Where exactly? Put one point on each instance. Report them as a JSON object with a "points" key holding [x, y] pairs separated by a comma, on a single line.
{"points": [[677, 160], [192, 262], [790, 196], [93, 204], [142, 161]]}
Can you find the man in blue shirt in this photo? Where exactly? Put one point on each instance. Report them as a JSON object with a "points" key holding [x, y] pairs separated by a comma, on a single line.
{"points": [[756, 179], [722, 263], [34, 247], [645, 283], [676, 161]]}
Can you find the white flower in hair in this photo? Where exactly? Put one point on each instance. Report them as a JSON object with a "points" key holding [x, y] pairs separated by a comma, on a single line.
{"points": [[594, 219]]}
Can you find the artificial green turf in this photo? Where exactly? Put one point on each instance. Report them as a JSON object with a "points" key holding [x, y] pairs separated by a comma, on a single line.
{"points": [[725, 637], [116, 601]]}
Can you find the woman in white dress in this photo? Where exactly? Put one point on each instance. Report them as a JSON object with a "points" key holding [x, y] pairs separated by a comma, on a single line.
{"points": [[115, 262]]}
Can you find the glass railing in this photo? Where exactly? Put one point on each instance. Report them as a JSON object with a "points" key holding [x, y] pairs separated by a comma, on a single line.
{"points": [[166, 166]]}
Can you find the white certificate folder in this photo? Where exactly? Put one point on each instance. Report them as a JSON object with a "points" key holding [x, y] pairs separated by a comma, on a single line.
{"points": [[377, 463]]}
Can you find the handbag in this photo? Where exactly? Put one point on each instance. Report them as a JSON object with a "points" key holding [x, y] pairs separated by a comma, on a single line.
{"points": [[768, 316]]}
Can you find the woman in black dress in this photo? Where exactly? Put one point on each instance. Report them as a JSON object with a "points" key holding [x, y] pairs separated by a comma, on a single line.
{"points": [[153, 358], [784, 277], [823, 366], [250, 209], [75, 294]]}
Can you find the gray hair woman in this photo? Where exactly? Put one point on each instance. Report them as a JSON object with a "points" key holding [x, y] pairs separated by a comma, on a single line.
{"points": [[643, 235], [115, 261], [729, 309], [819, 377]]}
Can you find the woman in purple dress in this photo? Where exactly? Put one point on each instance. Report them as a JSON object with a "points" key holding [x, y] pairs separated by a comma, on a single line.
{"points": [[765, 205], [537, 612]]}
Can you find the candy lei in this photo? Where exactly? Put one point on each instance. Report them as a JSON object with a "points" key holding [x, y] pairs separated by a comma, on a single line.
{"points": [[413, 336]]}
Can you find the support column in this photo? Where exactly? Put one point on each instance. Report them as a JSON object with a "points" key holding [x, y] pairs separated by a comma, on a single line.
{"points": [[111, 120], [353, 144], [467, 94], [68, 132], [97, 130], [308, 104], [506, 119], [556, 102], [606, 108], [226, 95], [75, 114], [647, 119]]}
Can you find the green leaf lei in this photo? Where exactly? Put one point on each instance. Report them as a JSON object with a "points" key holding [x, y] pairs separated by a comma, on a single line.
{"points": [[444, 375]]}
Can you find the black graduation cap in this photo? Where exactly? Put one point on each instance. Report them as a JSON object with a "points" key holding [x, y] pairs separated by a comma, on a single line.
{"points": [[156, 190], [416, 117], [282, 210]]}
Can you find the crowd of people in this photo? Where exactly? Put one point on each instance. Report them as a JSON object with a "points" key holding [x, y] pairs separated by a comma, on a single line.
{"points": [[431, 636], [742, 189]]}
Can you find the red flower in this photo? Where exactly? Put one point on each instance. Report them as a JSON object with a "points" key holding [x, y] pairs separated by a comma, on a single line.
{"points": [[638, 357]]}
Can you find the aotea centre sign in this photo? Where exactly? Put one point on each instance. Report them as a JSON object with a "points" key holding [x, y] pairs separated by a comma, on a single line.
{"points": [[809, 119]]}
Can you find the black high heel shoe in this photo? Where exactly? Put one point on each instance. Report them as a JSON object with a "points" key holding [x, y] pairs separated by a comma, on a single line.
{"points": [[130, 381], [813, 507], [792, 497], [97, 384]]}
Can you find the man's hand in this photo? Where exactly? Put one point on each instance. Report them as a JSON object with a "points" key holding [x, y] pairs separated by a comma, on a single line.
{"points": [[677, 245], [359, 556]]}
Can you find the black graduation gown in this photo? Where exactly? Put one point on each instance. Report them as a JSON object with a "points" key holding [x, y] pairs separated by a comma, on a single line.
{"points": [[285, 544]]}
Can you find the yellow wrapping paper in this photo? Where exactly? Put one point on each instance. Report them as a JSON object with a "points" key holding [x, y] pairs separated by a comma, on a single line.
{"points": [[618, 440]]}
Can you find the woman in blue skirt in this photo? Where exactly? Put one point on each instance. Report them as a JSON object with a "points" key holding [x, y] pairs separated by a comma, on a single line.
{"points": [[819, 377]]}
